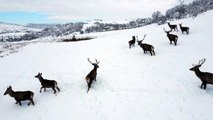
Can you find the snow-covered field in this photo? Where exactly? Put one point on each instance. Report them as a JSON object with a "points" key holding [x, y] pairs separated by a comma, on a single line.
{"points": [[130, 85]]}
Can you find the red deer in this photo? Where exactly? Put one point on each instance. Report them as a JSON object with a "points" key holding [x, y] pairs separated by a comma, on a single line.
{"points": [[132, 42], [146, 47], [173, 27], [205, 77], [171, 37], [184, 29], [20, 95], [47, 83], [92, 75]]}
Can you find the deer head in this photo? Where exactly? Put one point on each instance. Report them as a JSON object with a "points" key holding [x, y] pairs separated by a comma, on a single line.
{"points": [[39, 75], [167, 31], [196, 67], [8, 90]]}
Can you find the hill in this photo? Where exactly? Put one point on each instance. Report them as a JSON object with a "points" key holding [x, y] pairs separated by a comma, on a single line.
{"points": [[130, 85]]}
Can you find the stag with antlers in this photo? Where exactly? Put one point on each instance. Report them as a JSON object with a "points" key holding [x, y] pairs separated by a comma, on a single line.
{"points": [[93, 73], [172, 37], [205, 77], [146, 47]]}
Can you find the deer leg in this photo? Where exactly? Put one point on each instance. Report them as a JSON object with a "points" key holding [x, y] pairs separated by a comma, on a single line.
{"points": [[150, 52], [175, 42], [44, 89], [41, 89], [89, 85], [88, 88], [153, 52], [201, 86], [54, 89], [58, 89], [31, 101], [205, 86], [19, 103]]}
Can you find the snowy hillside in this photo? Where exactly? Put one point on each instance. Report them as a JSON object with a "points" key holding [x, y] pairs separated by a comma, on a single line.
{"points": [[12, 28], [130, 85]]}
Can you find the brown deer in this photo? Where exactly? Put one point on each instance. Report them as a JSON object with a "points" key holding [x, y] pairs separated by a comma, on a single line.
{"points": [[172, 27], [146, 47], [184, 29], [92, 75], [172, 37], [20, 95], [132, 42], [47, 83], [205, 77]]}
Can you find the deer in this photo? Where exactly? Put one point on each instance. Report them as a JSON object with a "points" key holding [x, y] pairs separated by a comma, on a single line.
{"points": [[20, 95], [132, 42], [47, 83], [146, 47], [184, 29], [172, 37], [205, 77], [92, 74], [172, 27]]}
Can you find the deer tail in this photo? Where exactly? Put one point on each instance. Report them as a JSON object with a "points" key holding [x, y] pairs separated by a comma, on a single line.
{"points": [[152, 48], [32, 94], [56, 84], [87, 79]]}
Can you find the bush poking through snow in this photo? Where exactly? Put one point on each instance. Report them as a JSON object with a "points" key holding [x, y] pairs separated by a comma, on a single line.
{"points": [[74, 39]]}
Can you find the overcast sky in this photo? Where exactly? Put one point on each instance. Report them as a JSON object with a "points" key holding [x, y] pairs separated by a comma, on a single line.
{"points": [[59, 11]]}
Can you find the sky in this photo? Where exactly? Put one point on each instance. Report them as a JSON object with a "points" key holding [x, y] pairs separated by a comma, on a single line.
{"points": [[63, 11]]}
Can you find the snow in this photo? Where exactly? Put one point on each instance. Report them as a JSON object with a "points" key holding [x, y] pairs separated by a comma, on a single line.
{"points": [[130, 85], [6, 27], [14, 31]]}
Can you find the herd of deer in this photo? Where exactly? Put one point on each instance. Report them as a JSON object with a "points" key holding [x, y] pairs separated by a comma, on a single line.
{"points": [[45, 83], [205, 77], [172, 38]]}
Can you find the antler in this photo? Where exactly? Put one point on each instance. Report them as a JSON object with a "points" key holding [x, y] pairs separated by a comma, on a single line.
{"points": [[89, 60], [97, 62], [144, 37], [167, 31], [200, 62]]}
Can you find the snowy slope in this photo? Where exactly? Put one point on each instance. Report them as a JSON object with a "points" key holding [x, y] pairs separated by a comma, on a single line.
{"points": [[130, 85], [8, 28]]}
